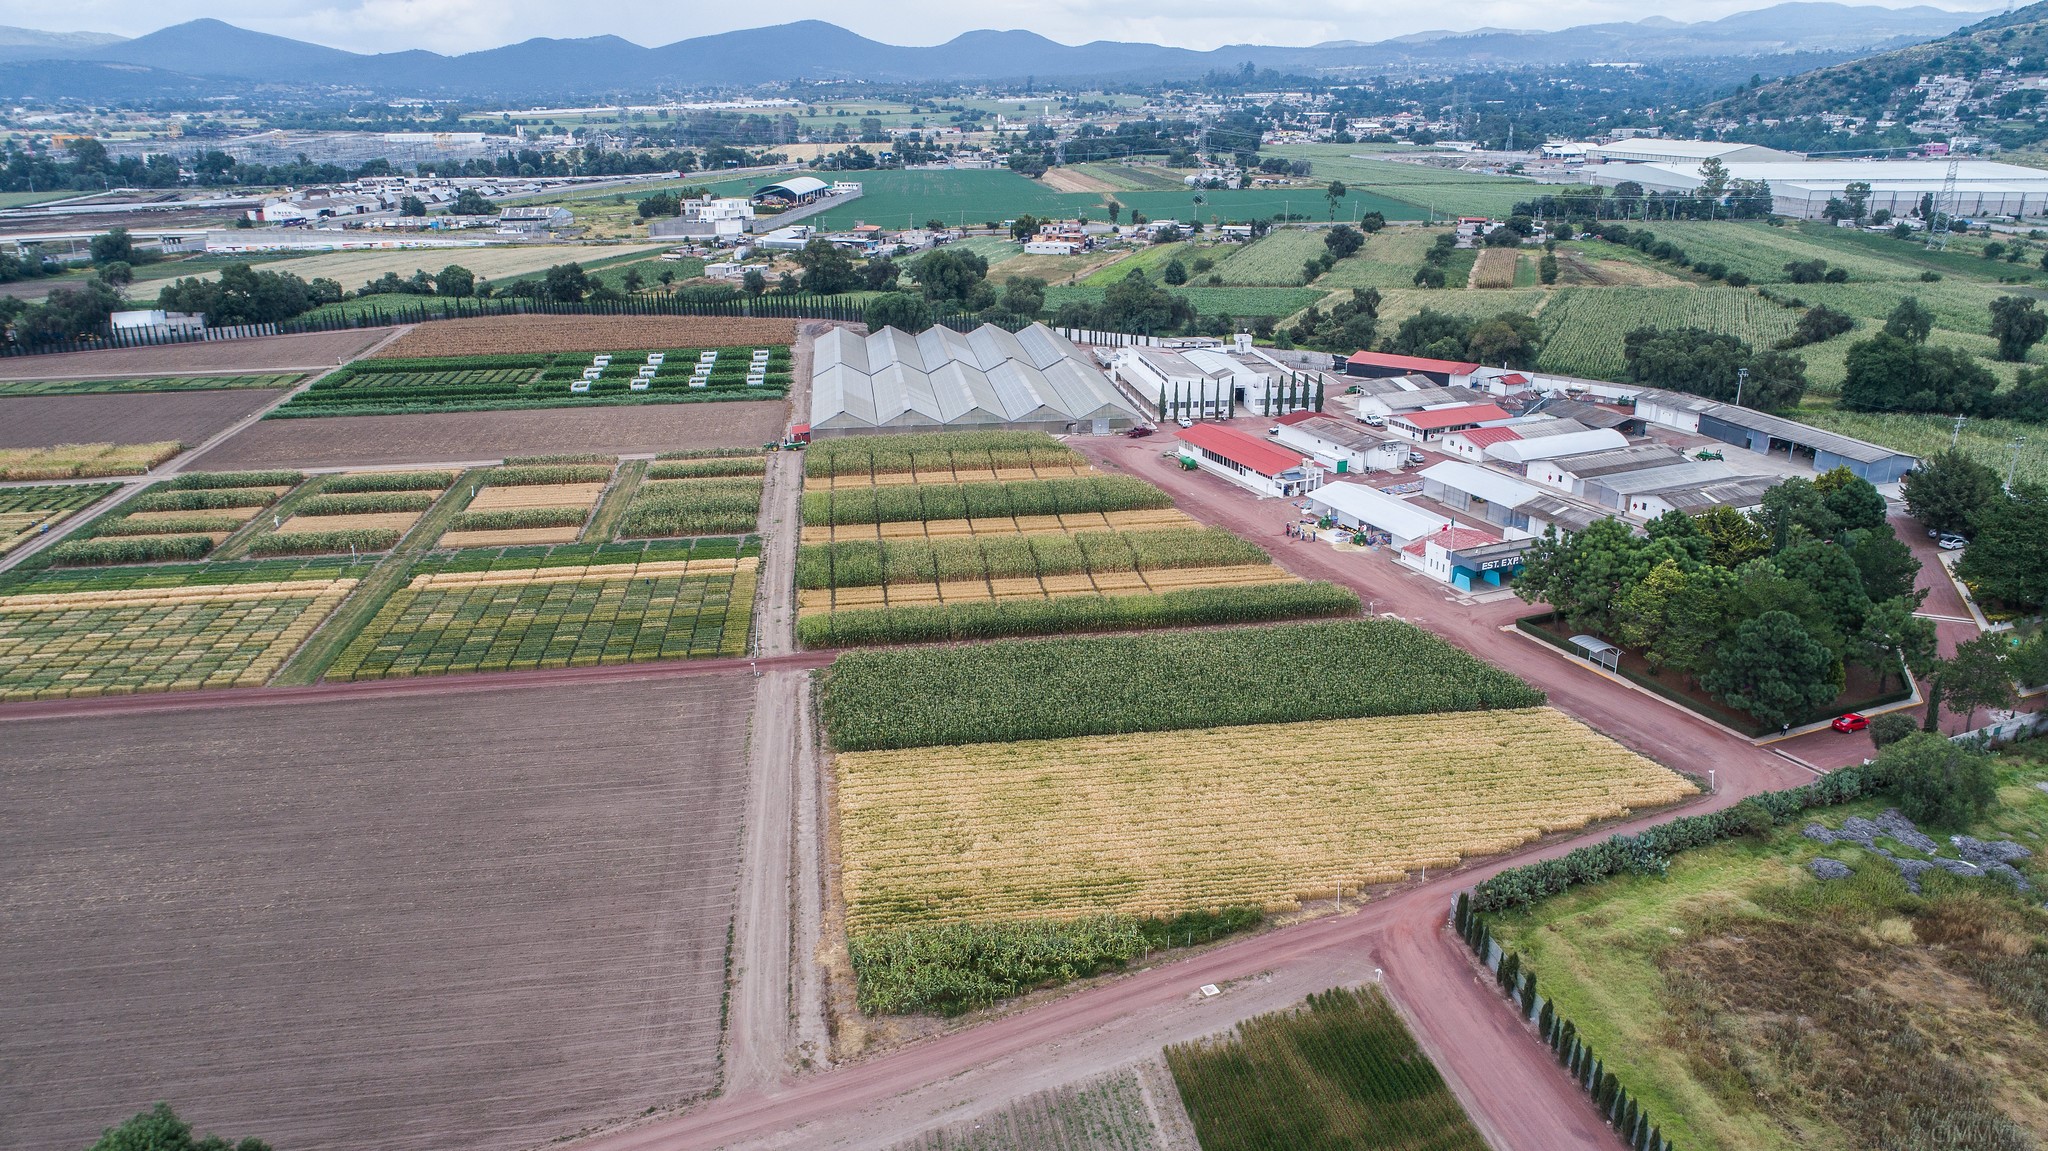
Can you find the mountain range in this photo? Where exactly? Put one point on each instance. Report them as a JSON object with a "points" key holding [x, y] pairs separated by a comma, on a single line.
{"points": [[212, 55]]}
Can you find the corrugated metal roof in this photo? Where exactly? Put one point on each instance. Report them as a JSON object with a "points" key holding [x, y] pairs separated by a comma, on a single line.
{"points": [[986, 378], [1459, 415], [1630, 459], [1370, 506], [1261, 456], [1485, 483], [1410, 363], [1550, 447], [1806, 435]]}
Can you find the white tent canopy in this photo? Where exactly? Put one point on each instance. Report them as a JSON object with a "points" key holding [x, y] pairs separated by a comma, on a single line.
{"points": [[939, 379]]}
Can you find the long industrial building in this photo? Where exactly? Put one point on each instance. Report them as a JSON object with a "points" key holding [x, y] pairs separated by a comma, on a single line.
{"points": [[1803, 187], [943, 380]]}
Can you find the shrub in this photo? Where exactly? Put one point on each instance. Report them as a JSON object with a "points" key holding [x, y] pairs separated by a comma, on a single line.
{"points": [[1891, 727], [131, 550], [1939, 781], [315, 543]]}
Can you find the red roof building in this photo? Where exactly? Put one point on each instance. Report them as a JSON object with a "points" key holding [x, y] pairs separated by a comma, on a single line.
{"points": [[1429, 422], [1378, 365], [1259, 464], [1485, 437], [1452, 539]]}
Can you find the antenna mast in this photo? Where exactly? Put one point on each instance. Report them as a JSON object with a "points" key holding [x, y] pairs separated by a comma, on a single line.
{"points": [[1944, 206]]}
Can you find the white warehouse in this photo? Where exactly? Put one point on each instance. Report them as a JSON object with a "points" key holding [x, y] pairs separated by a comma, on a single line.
{"points": [[1803, 187]]}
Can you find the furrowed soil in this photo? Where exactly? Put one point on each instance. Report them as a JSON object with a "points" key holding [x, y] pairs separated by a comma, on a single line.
{"points": [[147, 418], [486, 921], [227, 357], [449, 437], [496, 335]]}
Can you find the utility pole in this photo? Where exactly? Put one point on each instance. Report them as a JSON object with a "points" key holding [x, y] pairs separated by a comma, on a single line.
{"points": [[2012, 468], [1956, 433], [1944, 207], [1741, 379]]}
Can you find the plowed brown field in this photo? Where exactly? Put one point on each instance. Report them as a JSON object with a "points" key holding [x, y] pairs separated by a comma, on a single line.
{"points": [[268, 354], [423, 923], [455, 437], [112, 418], [489, 335]]}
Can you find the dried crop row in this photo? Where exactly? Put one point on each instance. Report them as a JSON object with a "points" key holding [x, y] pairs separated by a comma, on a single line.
{"points": [[1495, 268], [74, 461], [169, 640], [1180, 608], [910, 594], [500, 335], [431, 629], [24, 512], [1261, 815]]}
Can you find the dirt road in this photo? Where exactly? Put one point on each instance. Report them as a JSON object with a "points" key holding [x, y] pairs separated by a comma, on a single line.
{"points": [[1507, 1080]]}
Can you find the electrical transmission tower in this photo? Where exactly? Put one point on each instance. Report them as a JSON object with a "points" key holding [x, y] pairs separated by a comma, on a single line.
{"points": [[1944, 207]]}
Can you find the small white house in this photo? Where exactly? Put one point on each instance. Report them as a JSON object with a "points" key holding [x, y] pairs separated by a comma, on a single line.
{"points": [[1342, 446], [1261, 465]]}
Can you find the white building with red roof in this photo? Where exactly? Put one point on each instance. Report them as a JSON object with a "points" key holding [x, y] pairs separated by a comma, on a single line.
{"points": [[1259, 464], [1465, 556]]}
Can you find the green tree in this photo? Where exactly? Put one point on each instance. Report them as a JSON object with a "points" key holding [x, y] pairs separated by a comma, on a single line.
{"points": [[1977, 676], [1831, 573], [1795, 510], [1175, 273], [880, 275], [1946, 492], [1733, 539], [565, 283], [1775, 670], [1580, 574], [1546, 269], [828, 270], [455, 280], [1890, 728], [1888, 567], [1709, 364], [1853, 499], [1910, 321], [904, 311], [950, 275], [1891, 633], [1132, 304], [1024, 296], [1713, 181], [470, 202], [1343, 240], [160, 1129], [412, 206], [2007, 560], [1335, 192], [115, 245], [2017, 326], [116, 274], [1695, 621], [1939, 781], [753, 282]]}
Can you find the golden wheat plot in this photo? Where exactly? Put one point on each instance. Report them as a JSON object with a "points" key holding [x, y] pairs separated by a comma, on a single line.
{"points": [[1166, 822]]}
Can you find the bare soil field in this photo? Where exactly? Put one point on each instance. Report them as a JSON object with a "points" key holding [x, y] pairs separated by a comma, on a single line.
{"points": [[269, 354], [385, 921], [490, 335], [453, 437], [123, 418], [1068, 180]]}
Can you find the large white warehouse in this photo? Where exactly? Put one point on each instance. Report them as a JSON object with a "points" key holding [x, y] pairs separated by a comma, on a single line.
{"points": [[1804, 187], [942, 380]]}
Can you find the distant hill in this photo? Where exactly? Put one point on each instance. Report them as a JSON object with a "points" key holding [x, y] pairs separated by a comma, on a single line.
{"points": [[1876, 85], [813, 49], [29, 44]]}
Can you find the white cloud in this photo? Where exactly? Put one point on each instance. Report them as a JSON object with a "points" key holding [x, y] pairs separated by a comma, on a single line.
{"points": [[466, 25]]}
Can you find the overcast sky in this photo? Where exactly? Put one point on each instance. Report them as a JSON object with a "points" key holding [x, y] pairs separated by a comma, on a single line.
{"points": [[465, 25]]}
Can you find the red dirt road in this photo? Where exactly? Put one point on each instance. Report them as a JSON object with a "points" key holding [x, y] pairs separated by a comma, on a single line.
{"points": [[1508, 1081]]}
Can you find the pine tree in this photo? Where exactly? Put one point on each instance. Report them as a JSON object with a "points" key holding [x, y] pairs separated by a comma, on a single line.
{"points": [[1162, 401], [1568, 1041], [1529, 993], [1510, 970], [1546, 1022], [1628, 1117], [1657, 1139]]}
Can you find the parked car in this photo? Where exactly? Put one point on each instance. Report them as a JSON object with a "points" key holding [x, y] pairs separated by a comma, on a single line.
{"points": [[1185, 422], [1139, 431], [1373, 420], [1950, 542], [1417, 458], [1852, 722]]}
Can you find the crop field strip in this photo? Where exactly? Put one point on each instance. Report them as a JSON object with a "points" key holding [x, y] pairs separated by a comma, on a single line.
{"points": [[1273, 260], [23, 511], [92, 643], [526, 987], [1340, 1071], [546, 335], [1495, 268], [1106, 1113], [529, 504], [511, 382], [80, 461], [183, 518], [354, 512], [1582, 326], [142, 384], [1260, 815]]}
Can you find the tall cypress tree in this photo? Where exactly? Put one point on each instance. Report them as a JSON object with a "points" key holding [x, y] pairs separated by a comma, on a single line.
{"points": [[1529, 992], [1546, 1022], [1464, 914]]}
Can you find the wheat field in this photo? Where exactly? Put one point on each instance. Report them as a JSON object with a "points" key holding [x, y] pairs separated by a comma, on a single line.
{"points": [[1154, 824]]}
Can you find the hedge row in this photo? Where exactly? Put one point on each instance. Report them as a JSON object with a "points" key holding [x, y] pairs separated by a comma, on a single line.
{"points": [[131, 549], [1649, 852], [231, 480], [1188, 607], [318, 543]]}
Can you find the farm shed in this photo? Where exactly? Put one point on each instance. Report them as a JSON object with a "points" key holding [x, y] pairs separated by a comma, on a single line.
{"points": [[1520, 453], [1743, 493], [792, 192], [1546, 510], [942, 380], [1362, 508], [1803, 188], [1429, 423], [1761, 432], [1463, 556], [1379, 365], [1480, 491], [1258, 464], [1652, 150], [1570, 473], [1342, 446], [1619, 489], [1472, 443]]}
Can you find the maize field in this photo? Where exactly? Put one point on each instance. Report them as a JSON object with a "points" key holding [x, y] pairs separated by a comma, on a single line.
{"points": [[938, 456], [1340, 1071], [1264, 815], [122, 641]]}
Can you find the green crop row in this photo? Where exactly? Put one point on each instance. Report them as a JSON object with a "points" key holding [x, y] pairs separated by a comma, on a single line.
{"points": [[206, 574], [565, 458], [979, 620], [867, 563], [506, 519], [50, 498], [913, 502], [182, 525], [364, 503], [130, 549], [387, 482], [215, 480], [694, 469], [324, 542], [1058, 688], [930, 451], [694, 508], [533, 361], [531, 474], [1346, 1062], [200, 500]]}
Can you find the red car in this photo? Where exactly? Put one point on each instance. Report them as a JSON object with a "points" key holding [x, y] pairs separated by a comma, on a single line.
{"points": [[1851, 722]]}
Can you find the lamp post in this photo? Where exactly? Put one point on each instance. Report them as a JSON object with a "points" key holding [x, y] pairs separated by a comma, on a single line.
{"points": [[1741, 380], [2012, 468]]}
